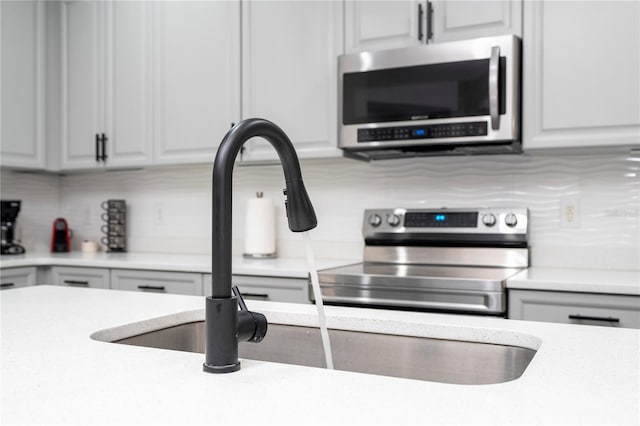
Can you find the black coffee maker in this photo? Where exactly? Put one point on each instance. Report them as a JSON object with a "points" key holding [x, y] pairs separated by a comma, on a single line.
{"points": [[9, 212]]}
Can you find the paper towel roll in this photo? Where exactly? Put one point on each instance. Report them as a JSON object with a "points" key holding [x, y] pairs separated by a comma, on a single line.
{"points": [[260, 228]]}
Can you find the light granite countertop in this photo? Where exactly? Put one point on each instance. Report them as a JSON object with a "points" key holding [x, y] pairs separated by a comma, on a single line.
{"points": [[278, 267], [606, 281], [53, 372]]}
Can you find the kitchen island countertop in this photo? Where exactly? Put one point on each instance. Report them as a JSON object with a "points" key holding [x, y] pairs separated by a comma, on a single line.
{"points": [[54, 373]]}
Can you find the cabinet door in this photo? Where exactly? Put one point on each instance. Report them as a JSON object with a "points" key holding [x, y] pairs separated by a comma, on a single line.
{"points": [[157, 282], [80, 277], [22, 121], [575, 308], [375, 25], [461, 20], [581, 67], [197, 78], [17, 277], [289, 75], [128, 86], [82, 82]]}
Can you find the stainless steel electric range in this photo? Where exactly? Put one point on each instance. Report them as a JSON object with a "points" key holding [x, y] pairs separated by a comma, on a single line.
{"points": [[446, 260]]}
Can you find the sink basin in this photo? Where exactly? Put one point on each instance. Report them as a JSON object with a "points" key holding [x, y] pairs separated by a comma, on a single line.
{"points": [[437, 360]]}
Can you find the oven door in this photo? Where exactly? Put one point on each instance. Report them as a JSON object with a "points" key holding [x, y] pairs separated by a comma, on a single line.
{"points": [[459, 289], [449, 93]]}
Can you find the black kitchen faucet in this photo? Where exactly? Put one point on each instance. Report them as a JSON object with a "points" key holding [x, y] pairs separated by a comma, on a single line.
{"points": [[224, 323]]}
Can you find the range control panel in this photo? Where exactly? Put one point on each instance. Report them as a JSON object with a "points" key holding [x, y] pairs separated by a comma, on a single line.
{"points": [[458, 221], [431, 131]]}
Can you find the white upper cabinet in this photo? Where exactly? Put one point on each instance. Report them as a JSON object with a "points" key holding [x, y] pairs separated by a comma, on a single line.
{"points": [[22, 121], [289, 73], [196, 78], [375, 25], [128, 84], [459, 20], [82, 83], [105, 84], [581, 74]]}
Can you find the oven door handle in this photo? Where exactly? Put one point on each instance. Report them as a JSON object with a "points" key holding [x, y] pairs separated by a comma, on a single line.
{"points": [[494, 89]]}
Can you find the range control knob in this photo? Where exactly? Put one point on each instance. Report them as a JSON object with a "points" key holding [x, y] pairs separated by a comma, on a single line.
{"points": [[489, 219], [375, 220], [393, 220], [511, 220]]}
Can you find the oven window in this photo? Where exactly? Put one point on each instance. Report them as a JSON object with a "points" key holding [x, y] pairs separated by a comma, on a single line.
{"points": [[455, 89]]}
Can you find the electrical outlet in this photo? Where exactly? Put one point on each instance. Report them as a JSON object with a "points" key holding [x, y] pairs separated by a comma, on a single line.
{"points": [[87, 219], [570, 213], [158, 215]]}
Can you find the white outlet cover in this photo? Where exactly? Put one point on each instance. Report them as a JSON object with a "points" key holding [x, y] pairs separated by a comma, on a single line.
{"points": [[570, 213]]}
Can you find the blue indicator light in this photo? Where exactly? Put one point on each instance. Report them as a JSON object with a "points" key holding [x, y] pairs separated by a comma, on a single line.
{"points": [[440, 218], [419, 132]]}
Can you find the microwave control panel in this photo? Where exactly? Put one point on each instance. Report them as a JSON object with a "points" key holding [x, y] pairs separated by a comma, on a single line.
{"points": [[430, 131]]}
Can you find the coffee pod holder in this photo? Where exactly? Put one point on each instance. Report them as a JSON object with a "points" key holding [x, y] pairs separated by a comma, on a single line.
{"points": [[115, 227]]}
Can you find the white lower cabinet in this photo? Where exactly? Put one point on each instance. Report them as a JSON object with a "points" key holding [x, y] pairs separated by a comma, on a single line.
{"points": [[276, 289], [575, 308], [80, 277], [17, 277], [157, 281]]}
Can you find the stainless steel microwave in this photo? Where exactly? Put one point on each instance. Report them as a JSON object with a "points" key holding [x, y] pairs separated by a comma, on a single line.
{"points": [[460, 97]]}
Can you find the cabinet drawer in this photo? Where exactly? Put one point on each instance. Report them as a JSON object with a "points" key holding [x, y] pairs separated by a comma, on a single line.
{"points": [[80, 277], [293, 290], [157, 282], [17, 277], [575, 308]]}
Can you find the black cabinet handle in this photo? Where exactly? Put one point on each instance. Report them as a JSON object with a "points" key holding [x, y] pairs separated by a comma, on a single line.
{"points": [[97, 147], [75, 282], [420, 18], [429, 21], [256, 295], [7, 285], [152, 287], [588, 318], [104, 140]]}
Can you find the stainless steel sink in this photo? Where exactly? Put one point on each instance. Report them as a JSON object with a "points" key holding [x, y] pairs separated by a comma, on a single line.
{"points": [[447, 361]]}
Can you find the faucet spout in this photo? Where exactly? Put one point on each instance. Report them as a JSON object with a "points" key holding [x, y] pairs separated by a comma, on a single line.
{"points": [[222, 318]]}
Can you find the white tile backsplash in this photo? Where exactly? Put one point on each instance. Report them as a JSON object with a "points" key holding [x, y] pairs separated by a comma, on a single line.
{"points": [[169, 208]]}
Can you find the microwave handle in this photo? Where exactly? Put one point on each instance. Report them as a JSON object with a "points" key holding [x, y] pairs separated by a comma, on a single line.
{"points": [[494, 81]]}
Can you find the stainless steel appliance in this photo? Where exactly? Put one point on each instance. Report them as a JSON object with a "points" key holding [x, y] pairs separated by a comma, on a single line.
{"points": [[450, 260], [9, 211], [451, 98]]}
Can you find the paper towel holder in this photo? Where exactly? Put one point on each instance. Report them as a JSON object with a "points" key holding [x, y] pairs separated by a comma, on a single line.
{"points": [[273, 255], [259, 256]]}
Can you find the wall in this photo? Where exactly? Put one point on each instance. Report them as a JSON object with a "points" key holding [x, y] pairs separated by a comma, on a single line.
{"points": [[169, 208]]}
